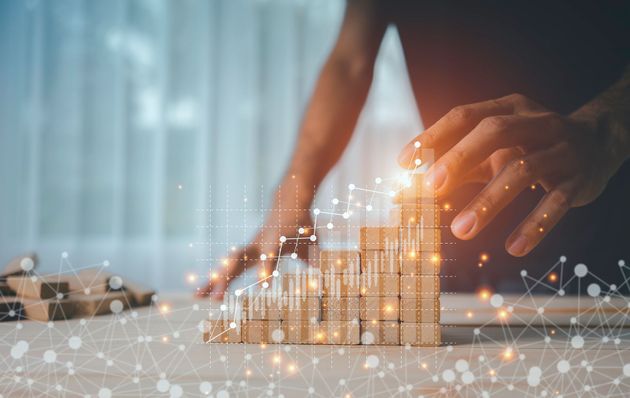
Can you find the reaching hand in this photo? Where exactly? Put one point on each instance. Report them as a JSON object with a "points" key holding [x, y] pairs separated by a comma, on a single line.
{"points": [[289, 212], [510, 144]]}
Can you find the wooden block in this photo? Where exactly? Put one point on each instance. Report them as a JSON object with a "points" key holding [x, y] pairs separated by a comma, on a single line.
{"points": [[99, 304], [339, 261], [380, 333], [299, 332], [340, 308], [341, 285], [219, 331], [47, 310], [302, 283], [10, 309], [263, 307], [379, 238], [417, 310], [420, 263], [98, 280], [420, 334], [301, 308], [5, 290], [20, 265], [38, 287], [416, 239], [425, 215], [419, 286], [417, 188], [380, 308], [258, 332], [338, 332], [380, 285], [380, 262]]}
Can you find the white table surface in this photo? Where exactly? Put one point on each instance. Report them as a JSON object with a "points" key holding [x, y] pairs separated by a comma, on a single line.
{"points": [[145, 352]]}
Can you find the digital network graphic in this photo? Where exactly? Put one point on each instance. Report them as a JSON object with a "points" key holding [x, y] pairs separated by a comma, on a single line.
{"points": [[541, 343]]}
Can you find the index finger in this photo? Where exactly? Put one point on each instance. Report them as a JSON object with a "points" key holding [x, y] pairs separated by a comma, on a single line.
{"points": [[452, 127]]}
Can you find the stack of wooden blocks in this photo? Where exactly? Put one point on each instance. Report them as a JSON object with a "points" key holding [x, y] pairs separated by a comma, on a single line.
{"points": [[89, 292], [387, 293]]}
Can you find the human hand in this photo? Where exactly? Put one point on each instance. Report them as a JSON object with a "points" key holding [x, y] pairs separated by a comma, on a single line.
{"points": [[511, 144], [289, 212]]}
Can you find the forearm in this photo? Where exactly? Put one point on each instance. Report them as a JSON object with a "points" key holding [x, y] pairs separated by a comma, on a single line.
{"points": [[330, 118], [610, 114]]}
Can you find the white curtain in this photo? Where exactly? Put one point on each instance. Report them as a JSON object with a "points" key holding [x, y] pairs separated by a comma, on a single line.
{"points": [[125, 123]]}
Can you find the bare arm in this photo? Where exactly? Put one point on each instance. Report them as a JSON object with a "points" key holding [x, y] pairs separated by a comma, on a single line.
{"points": [[339, 94], [328, 124]]}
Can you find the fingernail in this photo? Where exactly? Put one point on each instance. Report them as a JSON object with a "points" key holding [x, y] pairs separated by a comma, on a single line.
{"points": [[518, 247], [437, 177], [464, 223]]}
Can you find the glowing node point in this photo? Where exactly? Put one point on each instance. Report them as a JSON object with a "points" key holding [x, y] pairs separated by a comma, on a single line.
{"points": [[313, 238], [27, 264], [351, 187], [263, 257], [223, 307], [417, 162], [368, 207], [378, 180], [580, 270], [335, 201], [346, 215], [416, 144], [621, 263], [265, 285], [301, 230], [563, 259], [238, 292], [316, 211], [232, 325], [294, 255], [283, 239], [329, 225], [392, 193], [275, 274]]}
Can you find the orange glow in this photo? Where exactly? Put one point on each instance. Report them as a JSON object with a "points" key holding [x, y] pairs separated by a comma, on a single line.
{"points": [[263, 345], [469, 315], [508, 353], [276, 359], [165, 308], [313, 284], [338, 262], [484, 294], [553, 277], [484, 257], [533, 187], [291, 368], [503, 314], [541, 229], [388, 308], [492, 372], [435, 258], [297, 291], [248, 372], [224, 262], [215, 275], [412, 219], [191, 278], [447, 206], [424, 365], [412, 254], [165, 339]]}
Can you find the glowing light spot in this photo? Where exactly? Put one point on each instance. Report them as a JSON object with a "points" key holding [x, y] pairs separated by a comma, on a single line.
{"points": [[553, 277], [435, 258], [484, 294], [508, 353], [417, 162], [469, 315], [447, 206], [507, 187], [484, 257], [533, 187], [484, 209], [165, 308], [191, 278], [416, 144], [541, 229]]}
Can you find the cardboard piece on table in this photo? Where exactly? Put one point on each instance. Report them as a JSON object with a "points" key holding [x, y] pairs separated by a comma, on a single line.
{"points": [[38, 287], [339, 261], [419, 286], [340, 308], [19, 265], [259, 332], [47, 310], [380, 333], [10, 309], [416, 310], [219, 331], [380, 285], [341, 285], [380, 262], [380, 308], [420, 334]]}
